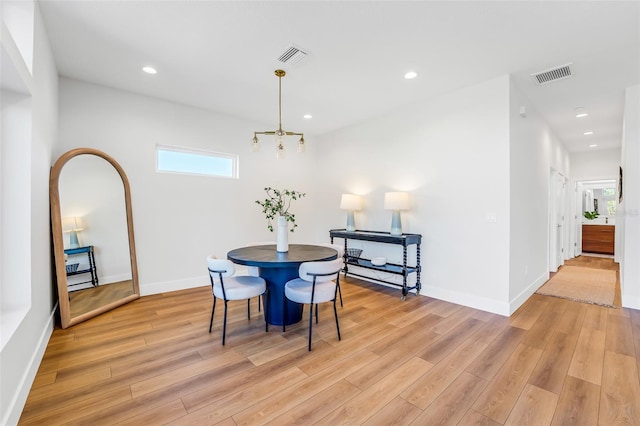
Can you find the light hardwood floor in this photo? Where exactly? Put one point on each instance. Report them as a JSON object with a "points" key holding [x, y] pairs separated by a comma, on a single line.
{"points": [[83, 301], [420, 362]]}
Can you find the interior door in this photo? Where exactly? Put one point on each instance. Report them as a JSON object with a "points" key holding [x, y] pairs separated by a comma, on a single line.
{"points": [[556, 220], [560, 194], [579, 195]]}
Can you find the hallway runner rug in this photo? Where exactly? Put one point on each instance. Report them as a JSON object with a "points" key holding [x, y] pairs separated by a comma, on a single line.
{"points": [[586, 285]]}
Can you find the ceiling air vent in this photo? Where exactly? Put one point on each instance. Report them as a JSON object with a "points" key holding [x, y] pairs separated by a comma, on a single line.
{"points": [[553, 74], [292, 55]]}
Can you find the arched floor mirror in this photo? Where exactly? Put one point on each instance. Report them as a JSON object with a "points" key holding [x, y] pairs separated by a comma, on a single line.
{"points": [[92, 230]]}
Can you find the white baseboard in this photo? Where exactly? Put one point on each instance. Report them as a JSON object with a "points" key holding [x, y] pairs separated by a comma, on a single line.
{"points": [[12, 416], [465, 299], [147, 289], [167, 286], [630, 302], [458, 298], [114, 278], [527, 292]]}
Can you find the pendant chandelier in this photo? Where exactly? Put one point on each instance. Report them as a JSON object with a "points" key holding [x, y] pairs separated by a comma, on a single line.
{"points": [[279, 134]]}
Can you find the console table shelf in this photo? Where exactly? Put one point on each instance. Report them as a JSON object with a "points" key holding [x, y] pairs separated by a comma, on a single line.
{"points": [[405, 240], [91, 269]]}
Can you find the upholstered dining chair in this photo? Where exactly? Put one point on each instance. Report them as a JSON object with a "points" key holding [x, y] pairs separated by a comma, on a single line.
{"points": [[227, 286], [340, 250], [315, 285]]}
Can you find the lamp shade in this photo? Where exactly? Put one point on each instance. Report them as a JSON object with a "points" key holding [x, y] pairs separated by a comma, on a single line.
{"points": [[351, 202], [70, 224], [396, 201]]}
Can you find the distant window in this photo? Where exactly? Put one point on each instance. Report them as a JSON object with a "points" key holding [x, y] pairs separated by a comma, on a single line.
{"points": [[609, 192], [611, 207], [196, 162]]}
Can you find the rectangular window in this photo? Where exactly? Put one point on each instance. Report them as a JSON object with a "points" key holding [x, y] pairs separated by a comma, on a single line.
{"points": [[195, 162]]}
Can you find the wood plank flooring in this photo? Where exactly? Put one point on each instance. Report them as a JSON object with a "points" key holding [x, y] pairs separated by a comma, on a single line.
{"points": [[419, 362]]}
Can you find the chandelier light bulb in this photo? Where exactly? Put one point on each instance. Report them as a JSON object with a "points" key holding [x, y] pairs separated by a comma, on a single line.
{"points": [[280, 151], [302, 146], [255, 144]]}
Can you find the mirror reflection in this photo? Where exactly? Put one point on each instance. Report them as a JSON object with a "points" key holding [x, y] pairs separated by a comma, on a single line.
{"points": [[92, 231], [94, 224]]}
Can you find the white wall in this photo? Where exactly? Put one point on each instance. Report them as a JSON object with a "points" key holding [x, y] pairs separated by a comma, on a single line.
{"points": [[452, 155], [595, 165], [20, 357], [534, 151], [179, 219], [628, 214]]}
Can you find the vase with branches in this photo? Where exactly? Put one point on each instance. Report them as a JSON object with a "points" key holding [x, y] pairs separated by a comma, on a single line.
{"points": [[276, 207], [277, 204]]}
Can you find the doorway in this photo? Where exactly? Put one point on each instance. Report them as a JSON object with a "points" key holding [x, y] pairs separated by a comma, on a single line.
{"points": [[595, 204]]}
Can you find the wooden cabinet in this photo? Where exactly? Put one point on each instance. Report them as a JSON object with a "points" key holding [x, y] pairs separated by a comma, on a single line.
{"points": [[598, 239]]}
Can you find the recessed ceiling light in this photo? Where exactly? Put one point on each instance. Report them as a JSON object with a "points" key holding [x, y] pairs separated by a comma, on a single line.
{"points": [[308, 116], [580, 112], [593, 145], [411, 75], [588, 133], [149, 70]]}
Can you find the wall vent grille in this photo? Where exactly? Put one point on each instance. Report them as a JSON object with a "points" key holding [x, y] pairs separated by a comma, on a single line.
{"points": [[553, 74], [292, 55]]}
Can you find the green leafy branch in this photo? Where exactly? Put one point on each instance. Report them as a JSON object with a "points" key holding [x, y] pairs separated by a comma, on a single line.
{"points": [[591, 215], [277, 204]]}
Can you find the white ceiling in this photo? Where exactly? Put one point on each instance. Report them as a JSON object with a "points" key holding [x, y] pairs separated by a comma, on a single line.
{"points": [[221, 56]]}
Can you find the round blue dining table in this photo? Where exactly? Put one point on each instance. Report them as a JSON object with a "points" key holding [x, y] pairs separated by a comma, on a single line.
{"points": [[277, 268]]}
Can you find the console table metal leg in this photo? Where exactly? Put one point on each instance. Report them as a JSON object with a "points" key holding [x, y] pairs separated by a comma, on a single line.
{"points": [[418, 282], [404, 273]]}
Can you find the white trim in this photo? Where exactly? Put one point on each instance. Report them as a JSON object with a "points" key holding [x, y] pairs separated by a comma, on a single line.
{"points": [[12, 416], [167, 286], [527, 293], [465, 299], [631, 304], [111, 279]]}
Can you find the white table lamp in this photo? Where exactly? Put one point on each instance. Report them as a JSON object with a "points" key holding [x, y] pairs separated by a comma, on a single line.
{"points": [[396, 201], [352, 203], [72, 225]]}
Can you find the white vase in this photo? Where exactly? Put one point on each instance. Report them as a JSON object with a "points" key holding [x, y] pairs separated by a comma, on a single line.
{"points": [[282, 235]]}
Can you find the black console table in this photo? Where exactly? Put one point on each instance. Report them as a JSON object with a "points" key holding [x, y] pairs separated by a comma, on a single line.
{"points": [[404, 240], [88, 250]]}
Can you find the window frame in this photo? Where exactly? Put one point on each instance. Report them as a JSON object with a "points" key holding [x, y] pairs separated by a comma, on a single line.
{"points": [[201, 152]]}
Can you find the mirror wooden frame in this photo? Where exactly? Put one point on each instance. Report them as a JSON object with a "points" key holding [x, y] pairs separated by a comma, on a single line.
{"points": [[58, 244]]}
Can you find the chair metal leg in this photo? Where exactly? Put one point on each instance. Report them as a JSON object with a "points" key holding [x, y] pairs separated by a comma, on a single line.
{"points": [[249, 309], [340, 293], [335, 311], [266, 307], [212, 311], [316, 313], [310, 323], [284, 312], [224, 325]]}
